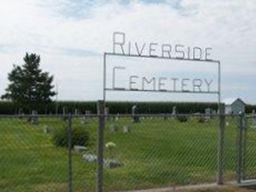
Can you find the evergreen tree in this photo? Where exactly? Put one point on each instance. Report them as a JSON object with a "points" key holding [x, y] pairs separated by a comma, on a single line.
{"points": [[30, 87]]}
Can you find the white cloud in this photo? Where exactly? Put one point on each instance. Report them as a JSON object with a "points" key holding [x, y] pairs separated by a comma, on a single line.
{"points": [[45, 27]]}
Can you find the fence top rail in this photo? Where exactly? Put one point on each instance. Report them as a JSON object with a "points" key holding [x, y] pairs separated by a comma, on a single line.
{"points": [[120, 115]]}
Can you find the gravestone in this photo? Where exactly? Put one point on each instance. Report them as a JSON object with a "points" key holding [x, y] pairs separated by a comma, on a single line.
{"points": [[90, 157], [46, 129], [64, 112], [79, 148], [106, 111], [112, 128], [76, 112], [109, 163], [20, 113], [253, 119], [112, 163], [135, 117], [174, 111], [83, 120], [34, 117], [126, 128], [207, 114], [86, 117], [87, 112], [117, 117], [254, 122]]}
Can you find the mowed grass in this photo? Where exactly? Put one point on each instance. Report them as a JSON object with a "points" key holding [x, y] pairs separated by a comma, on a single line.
{"points": [[156, 153]]}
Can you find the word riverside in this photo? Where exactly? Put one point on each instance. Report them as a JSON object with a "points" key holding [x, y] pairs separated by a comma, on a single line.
{"points": [[153, 49]]}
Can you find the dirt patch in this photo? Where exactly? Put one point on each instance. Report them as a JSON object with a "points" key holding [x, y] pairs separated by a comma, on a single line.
{"points": [[201, 188], [224, 189]]}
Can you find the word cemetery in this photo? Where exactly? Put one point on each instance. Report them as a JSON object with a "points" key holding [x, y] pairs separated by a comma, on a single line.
{"points": [[168, 84]]}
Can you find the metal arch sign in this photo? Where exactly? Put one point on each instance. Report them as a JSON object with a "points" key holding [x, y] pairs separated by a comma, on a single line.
{"points": [[179, 59]]}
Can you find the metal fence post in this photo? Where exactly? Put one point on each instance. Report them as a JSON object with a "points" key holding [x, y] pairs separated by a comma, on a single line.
{"points": [[70, 153], [221, 144], [240, 148], [245, 127], [100, 146]]}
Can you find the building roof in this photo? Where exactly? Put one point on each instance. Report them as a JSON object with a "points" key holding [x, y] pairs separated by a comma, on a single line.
{"points": [[230, 101]]}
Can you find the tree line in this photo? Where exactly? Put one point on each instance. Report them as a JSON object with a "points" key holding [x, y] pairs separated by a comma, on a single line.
{"points": [[8, 107], [30, 88]]}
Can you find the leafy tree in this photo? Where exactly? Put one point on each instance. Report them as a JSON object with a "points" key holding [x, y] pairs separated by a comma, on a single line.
{"points": [[30, 87]]}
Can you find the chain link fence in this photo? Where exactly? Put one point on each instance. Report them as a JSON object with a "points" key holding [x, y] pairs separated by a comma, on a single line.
{"points": [[59, 153], [249, 148]]}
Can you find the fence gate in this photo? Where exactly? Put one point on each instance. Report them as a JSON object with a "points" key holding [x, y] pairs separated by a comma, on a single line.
{"points": [[247, 149]]}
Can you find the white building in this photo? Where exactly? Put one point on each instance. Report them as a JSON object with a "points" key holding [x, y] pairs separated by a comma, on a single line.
{"points": [[234, 106]]}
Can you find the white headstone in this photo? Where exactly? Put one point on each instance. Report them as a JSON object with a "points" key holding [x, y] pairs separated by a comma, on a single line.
{"points": [[112, 128], [126, 128], [46, 129], [83, 120], [207, 113], [86, 116], [253, 118], [79, 148], [106, 111], [34, 117], [64, 110], [254, 122], [117, 117], [174, 110]]}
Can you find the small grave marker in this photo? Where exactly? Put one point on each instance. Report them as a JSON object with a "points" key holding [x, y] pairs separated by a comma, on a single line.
{"points": [[253, 119], [174, 111], [87, 112], [135, 117], [112, 163], [112, 128], [117, 117], [64, 111], [46, 129], [86, 117], [79, 148], [90, 157], [126, 128], [106, 111], [207, 113], [34, 117]]}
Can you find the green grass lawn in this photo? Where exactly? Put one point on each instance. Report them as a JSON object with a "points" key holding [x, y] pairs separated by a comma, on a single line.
{"points": [[157, 152]]}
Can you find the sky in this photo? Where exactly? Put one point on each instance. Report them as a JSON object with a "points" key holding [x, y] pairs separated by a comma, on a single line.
{"points": [[72, 35]]}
